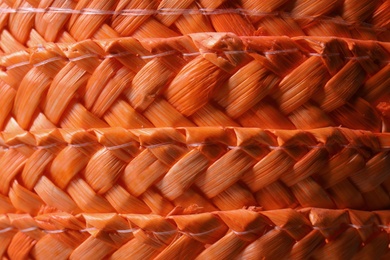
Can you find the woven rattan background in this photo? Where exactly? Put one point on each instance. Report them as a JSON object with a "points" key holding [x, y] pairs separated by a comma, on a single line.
{"points": [[198, 80], [228, 129], [31, 22], [155, 170], [242, 234]]}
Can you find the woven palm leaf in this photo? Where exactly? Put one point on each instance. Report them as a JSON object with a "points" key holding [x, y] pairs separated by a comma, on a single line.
{"points": [[211, 79], [155, 170], [166, 129], [308, 233], [30, 22]]}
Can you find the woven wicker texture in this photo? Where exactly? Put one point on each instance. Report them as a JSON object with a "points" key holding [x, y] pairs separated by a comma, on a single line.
{"points": [[155, 170], [167, 129], [240, 234], [30, 22], [214, 79]]}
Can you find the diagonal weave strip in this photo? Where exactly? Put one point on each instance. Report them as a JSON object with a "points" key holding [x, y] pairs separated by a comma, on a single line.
{"points": [[155, 170], [62, 177], [308, 233], [206, 79], [29, 23]]}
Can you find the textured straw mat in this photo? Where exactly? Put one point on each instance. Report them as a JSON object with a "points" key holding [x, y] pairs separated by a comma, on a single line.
{"points": [[204, 79], [194, 129], [154, 170], [138, 193], [235, 234], [32, 22]]}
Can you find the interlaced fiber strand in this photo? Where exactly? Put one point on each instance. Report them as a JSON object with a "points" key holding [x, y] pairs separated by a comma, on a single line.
{"points": [[125, 129], [29, 22], [154, 170], [237, 234], [206, 79]]}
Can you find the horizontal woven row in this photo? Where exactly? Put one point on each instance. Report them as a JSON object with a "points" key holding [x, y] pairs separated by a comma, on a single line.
{"points": [[242, 234], [125, 129], [155, 170], [29, 23], [206, 79]]}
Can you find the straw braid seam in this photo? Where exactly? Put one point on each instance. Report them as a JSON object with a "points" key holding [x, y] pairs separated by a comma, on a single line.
{"points": [[174, 11], [192, 145], [231, 137], [132, 230], [112, 179], [173, 53], [76, 21], [276, 65], [287, 229]]}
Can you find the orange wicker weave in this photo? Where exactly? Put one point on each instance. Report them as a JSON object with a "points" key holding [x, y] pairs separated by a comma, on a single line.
{"points": [[307, 233], [155, 170], [203, 80], [32, 22], [165, 129]]}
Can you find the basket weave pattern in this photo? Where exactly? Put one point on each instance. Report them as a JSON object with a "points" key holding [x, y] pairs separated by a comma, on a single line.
{"points": [[30, 23], [143, 171], [243, 234], [216, 80], [165, 129]]}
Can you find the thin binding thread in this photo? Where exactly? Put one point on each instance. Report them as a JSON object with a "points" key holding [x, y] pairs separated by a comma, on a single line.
{"points": [[193, 145], [168, 53], [132, 230], [174, 11]]}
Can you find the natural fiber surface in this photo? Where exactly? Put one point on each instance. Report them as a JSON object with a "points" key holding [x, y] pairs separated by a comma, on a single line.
{"points": [[31, 22], [207, 79], [155, 170], [240, 234], [125, 129]]}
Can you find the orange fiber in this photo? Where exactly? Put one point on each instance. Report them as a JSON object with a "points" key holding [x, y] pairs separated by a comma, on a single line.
{"points": [[224, 80], [93, 169], [194, 129], [57, 21]]}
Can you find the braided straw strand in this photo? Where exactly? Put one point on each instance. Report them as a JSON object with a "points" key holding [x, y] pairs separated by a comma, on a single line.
{"points": [[29, 23], [195, 129], [155, 170], [208, 79], [244, 234]]}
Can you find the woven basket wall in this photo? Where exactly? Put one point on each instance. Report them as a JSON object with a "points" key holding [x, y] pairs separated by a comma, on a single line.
{"points": [[195, 129]]}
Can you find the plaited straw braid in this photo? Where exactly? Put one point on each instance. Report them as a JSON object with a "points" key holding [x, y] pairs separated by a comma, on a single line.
{"points": [[154, 170], [308, 233], [87, 169], [29, 23], [207, 79]]}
